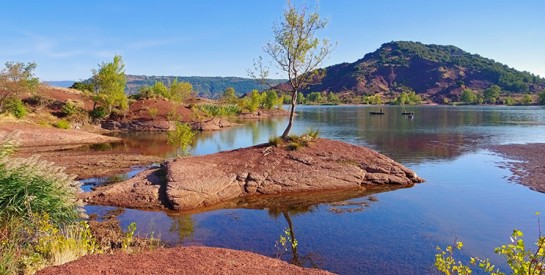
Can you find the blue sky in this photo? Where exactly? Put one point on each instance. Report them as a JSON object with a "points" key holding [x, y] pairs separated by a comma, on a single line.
{"points": [[69, 38]]}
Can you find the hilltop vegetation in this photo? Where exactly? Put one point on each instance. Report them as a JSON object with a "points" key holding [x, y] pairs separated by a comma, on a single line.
{"points": [[437, 73]]}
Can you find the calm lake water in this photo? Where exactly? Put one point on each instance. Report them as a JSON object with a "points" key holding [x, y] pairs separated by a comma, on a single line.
{"points": [[466, 196]]}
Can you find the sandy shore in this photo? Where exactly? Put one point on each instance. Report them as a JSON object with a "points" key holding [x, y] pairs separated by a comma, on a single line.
{"points": [[528, 166]]}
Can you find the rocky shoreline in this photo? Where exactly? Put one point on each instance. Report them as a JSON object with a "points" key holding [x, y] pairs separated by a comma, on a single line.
{"points": [[528, 167], [205, 181]]}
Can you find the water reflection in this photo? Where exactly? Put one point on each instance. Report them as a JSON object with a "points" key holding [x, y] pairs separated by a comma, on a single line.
{"points": [[466, 195]]}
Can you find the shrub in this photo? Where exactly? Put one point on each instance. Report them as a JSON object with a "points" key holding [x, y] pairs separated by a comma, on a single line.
{"points": [[16, 107], [98, 113], [275, 140], [215, 110], [313, 133], [153, 112], [69, 108], [182, 138], [62, 124], [521, 259], [32, 185]]}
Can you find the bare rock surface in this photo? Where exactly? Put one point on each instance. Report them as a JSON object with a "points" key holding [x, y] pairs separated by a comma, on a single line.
{"points": [[180, 260], [31, 135], [205, 181]]}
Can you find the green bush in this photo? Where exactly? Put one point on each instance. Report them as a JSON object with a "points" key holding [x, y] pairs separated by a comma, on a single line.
{"points": [[62, 124], [215, 110], [520, 258], [69, 108], [98, 113], [182, 138], [34, 186], [16, 107]]}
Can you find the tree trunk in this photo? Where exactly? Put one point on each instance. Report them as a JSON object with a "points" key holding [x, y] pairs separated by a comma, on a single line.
{"points": [[295, 259], [292, 112]]}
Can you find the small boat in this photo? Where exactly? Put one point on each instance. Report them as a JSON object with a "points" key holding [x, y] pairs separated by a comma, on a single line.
{"points": [[376, 113], [405, 113]]}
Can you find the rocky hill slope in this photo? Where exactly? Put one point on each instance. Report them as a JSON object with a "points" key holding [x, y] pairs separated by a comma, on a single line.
{"points": [[433, 71]]}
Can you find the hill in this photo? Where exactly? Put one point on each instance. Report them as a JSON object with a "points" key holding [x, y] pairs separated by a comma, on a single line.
{"points": [[435, 72], [205, 86]]}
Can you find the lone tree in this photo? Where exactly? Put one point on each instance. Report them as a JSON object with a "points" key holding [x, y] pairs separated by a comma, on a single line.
{"points": [[297, 52], [16, 79], [109, 85]]}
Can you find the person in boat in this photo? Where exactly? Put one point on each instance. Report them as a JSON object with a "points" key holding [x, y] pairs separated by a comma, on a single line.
{"points": [[381, 110]]}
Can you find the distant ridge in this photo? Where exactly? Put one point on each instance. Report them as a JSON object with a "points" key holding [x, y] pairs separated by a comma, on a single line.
{"points": [[434, 71], [62, 83]]}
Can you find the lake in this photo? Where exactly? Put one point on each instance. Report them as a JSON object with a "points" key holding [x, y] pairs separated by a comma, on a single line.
{"points": [[466, 196]]}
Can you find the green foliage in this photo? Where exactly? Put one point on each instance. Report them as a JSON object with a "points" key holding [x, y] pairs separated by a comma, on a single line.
{"points": [[176, 91], [98, 113], [210, 87], [253, 101], [153, 111], [315, 97], [333, 98], [521, 259], [129, 237], [229, 96], [109, 83], [297, 51], [313, 133], [15, 107], [16, 79], [180, 91], [509, 101], [275, 141], [492, 94], [541, 96], [62, 124], [400, 52], [469, 97], [284, 242], [182, 137], [295, 142], [373, 99], [408, 97], [526, 99], [37, 242], [270, 100], [70, 108], [83, 86], [300, 98], [215, 110], [35, 186]]}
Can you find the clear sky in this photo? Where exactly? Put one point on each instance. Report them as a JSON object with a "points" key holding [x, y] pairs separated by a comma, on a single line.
{"points": [[68, 38]]}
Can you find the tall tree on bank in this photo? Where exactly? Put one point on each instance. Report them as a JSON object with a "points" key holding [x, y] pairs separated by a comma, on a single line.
{"points": [[17, 78], [109, 84], [297, 52]]}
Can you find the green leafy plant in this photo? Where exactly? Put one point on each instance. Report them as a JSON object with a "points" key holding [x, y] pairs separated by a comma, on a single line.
{"points": [[98, 113], [284, 242], [153, 112], [275, 140], [62, 124], [182, 137], [520, 258], [129, 236], [16, 107]]}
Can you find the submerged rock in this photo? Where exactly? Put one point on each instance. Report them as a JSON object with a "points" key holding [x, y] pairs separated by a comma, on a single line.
{"points": [[205, 181]]}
